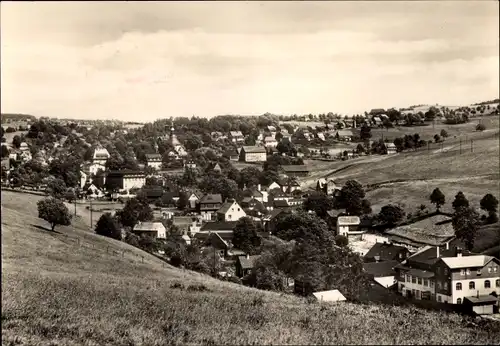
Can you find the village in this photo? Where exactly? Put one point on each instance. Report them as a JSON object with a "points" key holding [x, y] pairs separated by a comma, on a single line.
{"points": [[406, 258]]}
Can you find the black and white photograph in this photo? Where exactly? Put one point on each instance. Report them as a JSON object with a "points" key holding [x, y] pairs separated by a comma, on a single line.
{"points": [[250, 172]]}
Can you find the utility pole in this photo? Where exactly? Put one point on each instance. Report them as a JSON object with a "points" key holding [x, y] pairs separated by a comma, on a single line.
{"points": [[460, 146], [90, 212], [471, 146]]}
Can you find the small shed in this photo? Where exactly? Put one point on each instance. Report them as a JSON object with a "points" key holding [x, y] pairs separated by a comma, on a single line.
{"points": [[329, 296], [482, 305]]}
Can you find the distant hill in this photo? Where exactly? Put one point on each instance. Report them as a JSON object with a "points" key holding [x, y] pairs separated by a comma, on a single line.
{"points": [[487, 102], [10, 117]]}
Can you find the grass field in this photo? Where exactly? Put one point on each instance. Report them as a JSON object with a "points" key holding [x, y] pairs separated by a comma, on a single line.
{"points": [[75, 288], [10, 136]]}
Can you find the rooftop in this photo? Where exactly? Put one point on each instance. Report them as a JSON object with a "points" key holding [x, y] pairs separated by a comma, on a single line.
{"points": [[295, 168], [385, 251], [148, 226], [219, 226], [381, 269], [348, 220], [248, 263], [466, 261], [211, 198], [254, 149], [329, 296]]}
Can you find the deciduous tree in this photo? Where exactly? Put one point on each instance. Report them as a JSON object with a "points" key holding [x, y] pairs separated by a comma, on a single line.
{"points": [[54, 212], [437, 198], [108, 227], [466, 223]]}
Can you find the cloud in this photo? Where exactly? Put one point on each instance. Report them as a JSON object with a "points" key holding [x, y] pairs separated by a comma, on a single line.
{"points": [[148, 63]]}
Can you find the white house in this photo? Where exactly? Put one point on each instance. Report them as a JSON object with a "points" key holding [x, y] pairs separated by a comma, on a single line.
{"points": [[153, 229], [193, 201], [348, 226], [253, 154], [391, 148], [154, 161], [101, 155], [95, 167], [230, 211], [270, 142]]}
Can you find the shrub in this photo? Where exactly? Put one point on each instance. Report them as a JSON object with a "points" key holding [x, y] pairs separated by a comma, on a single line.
{"points": [[197, 288], [480, 127], [341, 240], [177, 285]]}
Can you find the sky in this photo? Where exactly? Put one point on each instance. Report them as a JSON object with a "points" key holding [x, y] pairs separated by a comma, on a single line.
{"points": [[143, 61]]}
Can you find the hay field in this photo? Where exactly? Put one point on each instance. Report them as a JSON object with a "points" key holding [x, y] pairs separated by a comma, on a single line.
{"points": [[58, 291]]}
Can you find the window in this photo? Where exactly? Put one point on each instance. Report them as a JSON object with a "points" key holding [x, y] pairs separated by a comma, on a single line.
{"points": [[468, 271], [439, 285], [419, 281], [479, 271], [438, 270], [462, 272], [495, 269], [497, 283], [414, 279], [400, 255], [472, 285], [487, 284], [445, 285], [459, 300], [432, 283], [439, 299], [458, 286], [408, 278], [490, 269], [445, 271], [426, 282]]}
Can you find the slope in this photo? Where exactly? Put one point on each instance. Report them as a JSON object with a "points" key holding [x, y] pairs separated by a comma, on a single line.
{"points": [[73, 287]]}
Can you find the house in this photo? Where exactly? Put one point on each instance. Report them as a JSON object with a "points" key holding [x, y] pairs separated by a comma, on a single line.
{"points": [[90, 190], [251, 203], [154, 161], [382, 272], [344, 135], [348, 226], [5, 165], [151, 229], [236, 136], [190, 164], [391, 148], [222, 228], [101, 155], [482, 304], [24, 147], [230, 211], [95, 167], [185, 223], [220, 245], [447, 275], [329, 296], [245, 264], [126, 179], [327, 186], [321, 136], [232, 155], [377, 111], [382, 252], [270, 142], [295, 170], [270, 220], [193, 201], [209, 204], [253, 154]]}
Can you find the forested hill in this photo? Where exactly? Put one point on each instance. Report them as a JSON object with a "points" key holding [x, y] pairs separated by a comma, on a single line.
{"points": [[16, 117]]}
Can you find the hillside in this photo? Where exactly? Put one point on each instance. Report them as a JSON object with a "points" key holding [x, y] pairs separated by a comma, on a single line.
{"points": [[73, 287], [16, 117]]}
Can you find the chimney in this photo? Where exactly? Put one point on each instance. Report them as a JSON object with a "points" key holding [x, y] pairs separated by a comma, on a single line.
{"points": [[259, 187], [459, 252], [437, 251], [447, 245], [248, 256]]}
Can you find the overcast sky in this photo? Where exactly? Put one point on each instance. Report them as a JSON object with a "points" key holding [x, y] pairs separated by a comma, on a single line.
{"points": [[143, 61]]}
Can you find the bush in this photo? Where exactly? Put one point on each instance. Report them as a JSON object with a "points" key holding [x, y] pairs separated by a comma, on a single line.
{"points": [[10, 130], [341, 240], [234, 279], [480, 127], [177, 285], [197, 288]]}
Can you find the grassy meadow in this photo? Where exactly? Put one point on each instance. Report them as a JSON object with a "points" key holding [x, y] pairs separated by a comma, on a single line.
{"points": [[72, 287]]}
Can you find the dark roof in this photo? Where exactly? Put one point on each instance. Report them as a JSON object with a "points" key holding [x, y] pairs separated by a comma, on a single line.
{"points": [[211, 198], [153, 156], [153, 192], [232, 152], [248, 263], [219, 226], [274, 213], [225, 207], [380, 269], [429, 256], [125, 172], [254, 149], [295, 168], [386, 252], [281, 204], [335, 213], [255, 192], [482, 299]]}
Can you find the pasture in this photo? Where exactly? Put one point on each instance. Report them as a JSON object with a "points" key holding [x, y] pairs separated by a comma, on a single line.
{"points": [[72, 287]]}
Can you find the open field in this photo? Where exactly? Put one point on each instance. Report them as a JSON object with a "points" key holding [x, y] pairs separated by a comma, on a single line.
{"points": [[10, 136], [428, 132], [303, 124], [70, 288]]}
